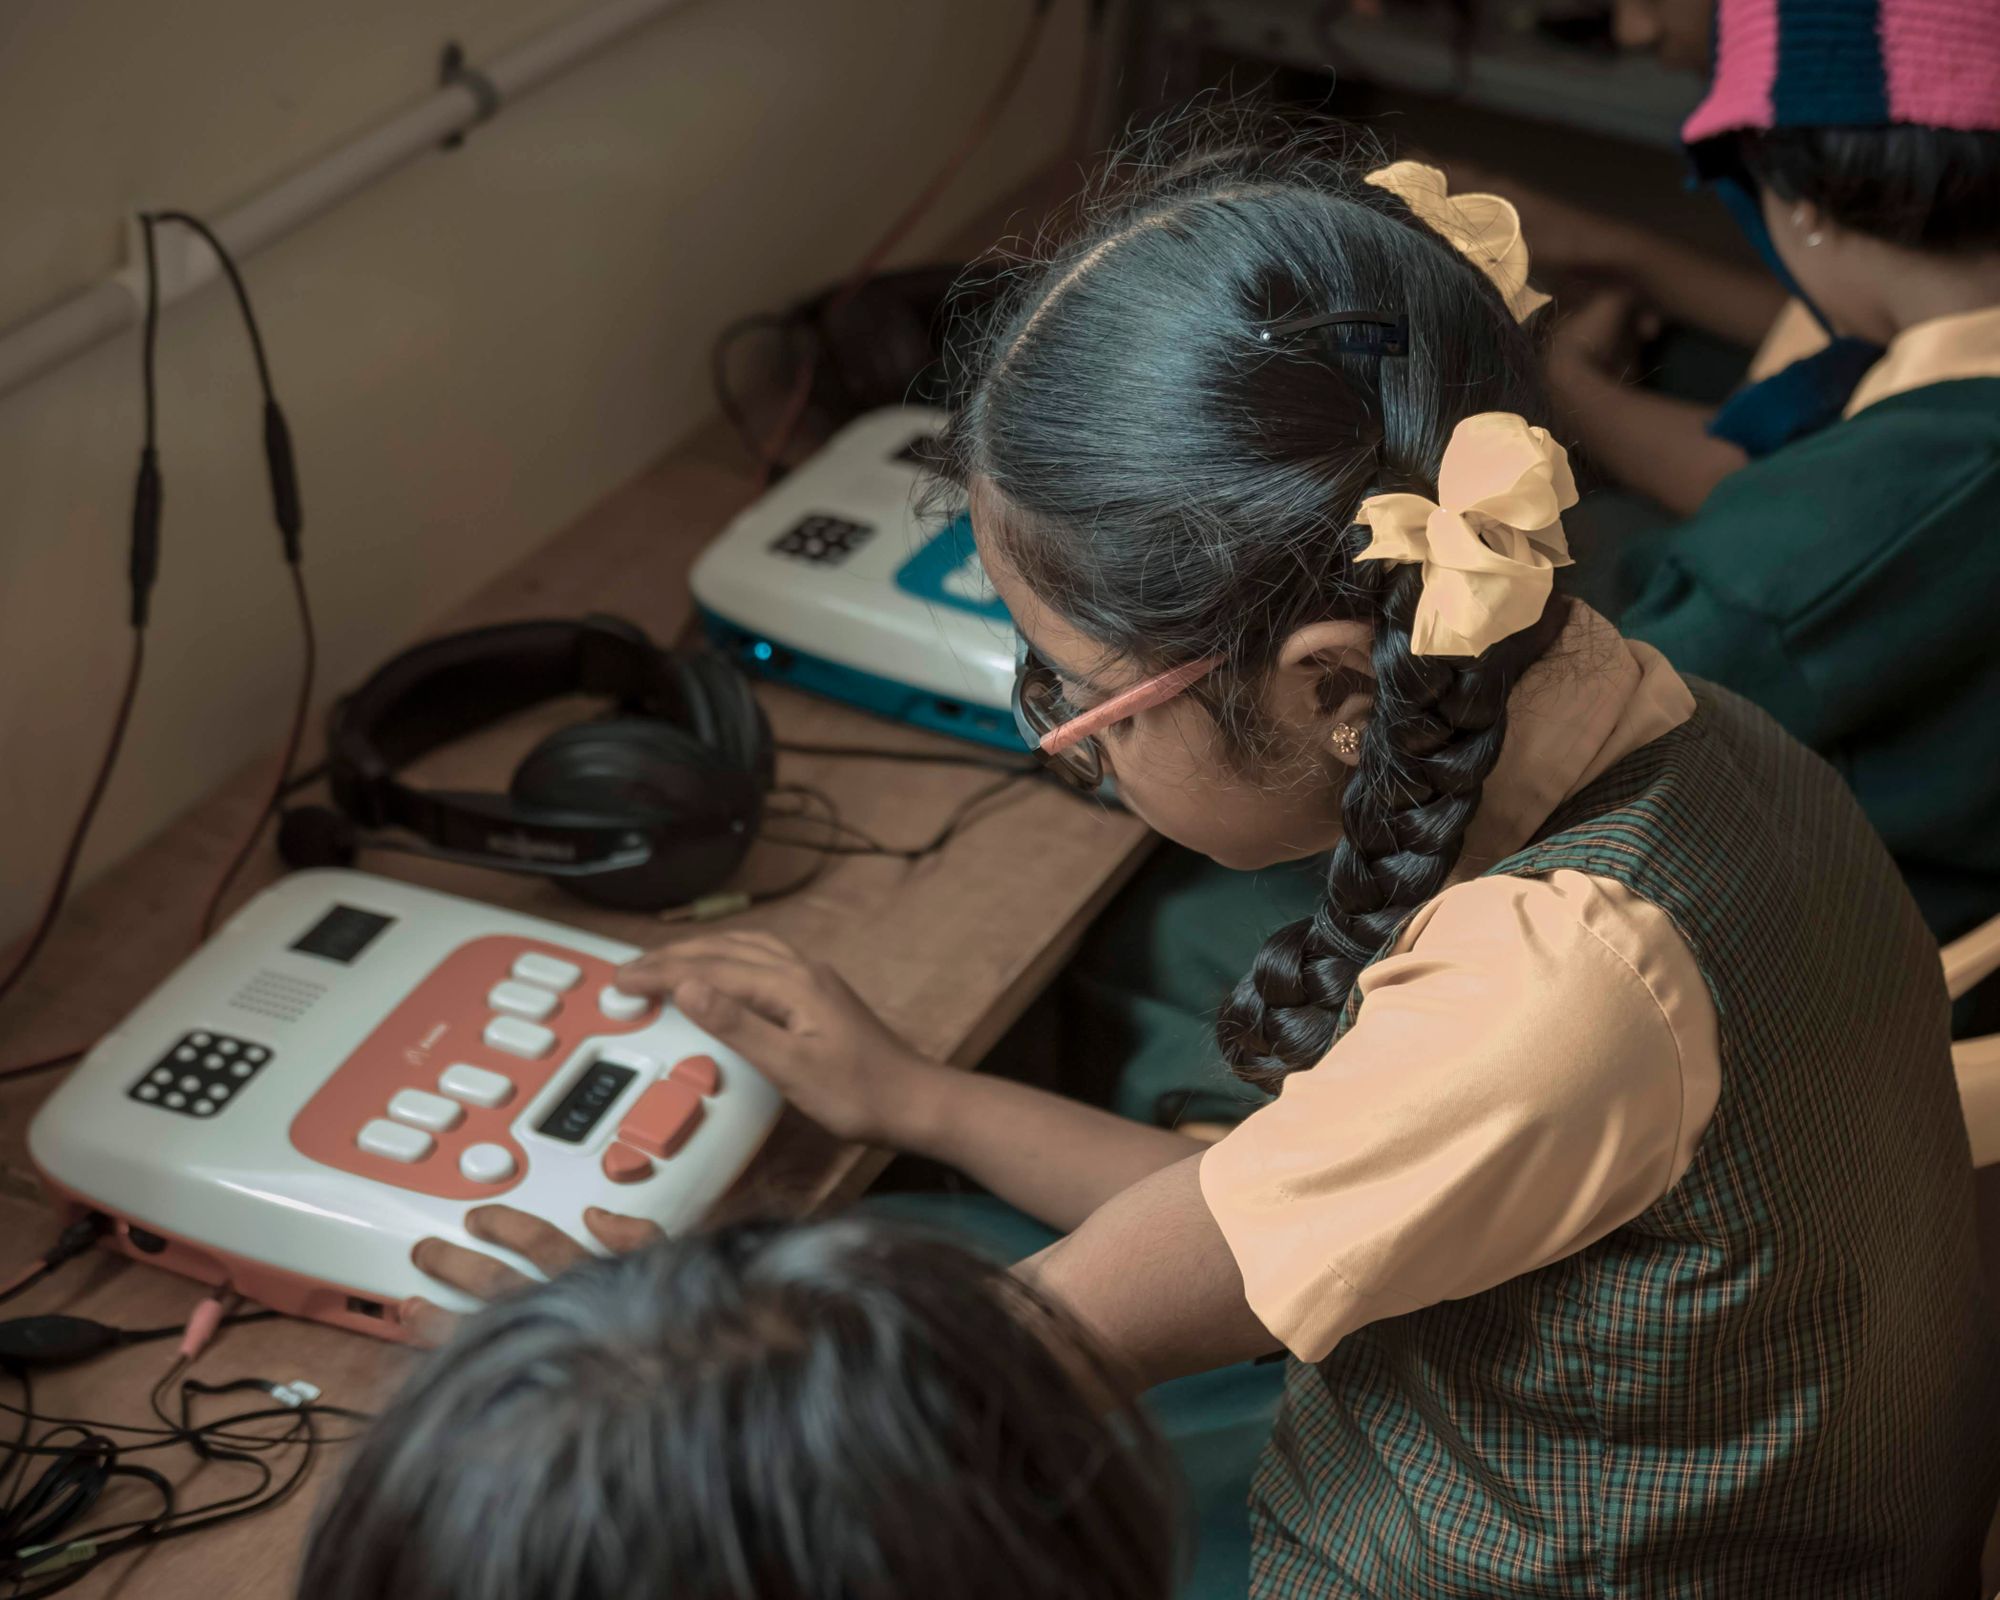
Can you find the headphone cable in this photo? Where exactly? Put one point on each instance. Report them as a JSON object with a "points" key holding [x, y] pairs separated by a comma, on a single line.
{"points": [[29, 1069], [59, 891], [731, 902], [144, 569], [955, 823], [287, 511], [35, 1518]]}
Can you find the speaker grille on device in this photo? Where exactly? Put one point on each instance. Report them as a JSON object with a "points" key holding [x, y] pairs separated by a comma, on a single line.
{"points": [[277, 995]]}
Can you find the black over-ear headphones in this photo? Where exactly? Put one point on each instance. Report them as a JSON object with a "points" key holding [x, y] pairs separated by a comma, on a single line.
{"points": [[651, 807]]}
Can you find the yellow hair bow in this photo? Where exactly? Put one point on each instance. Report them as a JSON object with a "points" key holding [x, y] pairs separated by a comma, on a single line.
{"points": [[1484, 228], [1489, 543]]}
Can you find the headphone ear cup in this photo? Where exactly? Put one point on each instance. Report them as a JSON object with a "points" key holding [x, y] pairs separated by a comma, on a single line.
{"points": [[727, 714], [698, 814], [316, 836]]}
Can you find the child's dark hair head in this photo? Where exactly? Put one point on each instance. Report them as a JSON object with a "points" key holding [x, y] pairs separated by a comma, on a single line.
{"points": [[833, 1411], [1176, 485], [1931, 189]]}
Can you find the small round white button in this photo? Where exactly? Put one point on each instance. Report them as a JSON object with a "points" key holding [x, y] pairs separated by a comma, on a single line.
{"points": [[185, 1053], [190, 1084], [212, 1061], [240, 1069], [203, 1108], [197, 1039], [162, 1075], [177, 1100], [220, 1091], [148, 1091], [619, 1006], [226, 1046], [487, 1163]]}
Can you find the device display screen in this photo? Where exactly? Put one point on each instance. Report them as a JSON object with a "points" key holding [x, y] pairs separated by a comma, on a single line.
{"points": [[587, 1100], [342, 934]]}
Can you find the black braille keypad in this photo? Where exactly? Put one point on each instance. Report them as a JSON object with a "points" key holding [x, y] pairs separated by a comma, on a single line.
{"points": [[823, 539], [201, 1075]]}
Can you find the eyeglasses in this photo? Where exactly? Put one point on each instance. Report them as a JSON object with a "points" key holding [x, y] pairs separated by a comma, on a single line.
{"points": [[1066, 741]]}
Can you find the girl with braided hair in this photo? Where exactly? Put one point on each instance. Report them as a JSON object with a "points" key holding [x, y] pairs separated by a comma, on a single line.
{"points": [[1612, 1198]]}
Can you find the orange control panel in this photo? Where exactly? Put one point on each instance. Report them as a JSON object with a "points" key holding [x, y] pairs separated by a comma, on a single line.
{"points": [[428, 1100]]}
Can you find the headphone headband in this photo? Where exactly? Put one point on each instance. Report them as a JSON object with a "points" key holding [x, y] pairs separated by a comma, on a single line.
{"points": [[462, 683], [703, 751]]}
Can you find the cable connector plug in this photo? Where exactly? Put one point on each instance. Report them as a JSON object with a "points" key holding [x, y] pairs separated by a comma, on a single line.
{"points": [[709, 908], [78, 1237], [40, 1559], [202, 1324]]}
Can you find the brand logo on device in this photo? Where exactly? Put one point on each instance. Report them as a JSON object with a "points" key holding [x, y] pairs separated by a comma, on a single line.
{"points": [[419, 1054], [525, 847]]}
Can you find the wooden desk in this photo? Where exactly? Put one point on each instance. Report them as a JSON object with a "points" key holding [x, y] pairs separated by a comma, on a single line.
{"points": [[949, 950]]}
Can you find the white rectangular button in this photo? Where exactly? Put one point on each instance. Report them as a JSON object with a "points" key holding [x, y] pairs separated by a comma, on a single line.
{"points": [[385, 1138], [519, 1037], [547, 971], [422, 1109], [475, 1085], [522, 1000]]}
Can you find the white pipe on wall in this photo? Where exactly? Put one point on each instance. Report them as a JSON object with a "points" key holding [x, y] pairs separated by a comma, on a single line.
{"points": [[65, 330]]}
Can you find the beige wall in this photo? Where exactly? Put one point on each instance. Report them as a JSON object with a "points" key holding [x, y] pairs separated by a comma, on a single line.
{"points": [[471, 352]]}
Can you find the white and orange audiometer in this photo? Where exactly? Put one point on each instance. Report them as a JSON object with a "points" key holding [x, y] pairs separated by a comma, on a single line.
{"points": [[835, 582], [351, 1064]]}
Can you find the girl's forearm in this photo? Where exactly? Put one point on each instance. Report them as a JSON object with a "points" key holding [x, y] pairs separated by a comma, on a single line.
{"points": [[1650, 442], [1733, 303], [1056, 1159], [1153, 1277]]}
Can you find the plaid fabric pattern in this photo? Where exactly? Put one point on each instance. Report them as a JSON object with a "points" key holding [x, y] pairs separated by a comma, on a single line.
{"points": [[1778, 1381]]}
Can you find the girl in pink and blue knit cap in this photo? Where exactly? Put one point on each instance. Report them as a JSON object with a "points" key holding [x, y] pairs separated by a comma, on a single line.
{"points": [[1840, 561]]}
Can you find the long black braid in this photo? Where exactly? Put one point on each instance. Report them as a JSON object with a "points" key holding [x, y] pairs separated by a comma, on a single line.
{"points": [[1432, 736]]}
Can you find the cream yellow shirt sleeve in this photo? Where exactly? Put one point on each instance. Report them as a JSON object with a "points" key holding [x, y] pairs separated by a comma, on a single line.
{"points": [[1533, 1066]]}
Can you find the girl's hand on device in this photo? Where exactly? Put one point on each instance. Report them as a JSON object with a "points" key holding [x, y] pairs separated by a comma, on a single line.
{"points": [[487, 1277], [799, 1024]]}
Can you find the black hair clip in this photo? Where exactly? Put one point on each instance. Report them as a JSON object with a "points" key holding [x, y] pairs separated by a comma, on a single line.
{"points": [[1386, 335]]}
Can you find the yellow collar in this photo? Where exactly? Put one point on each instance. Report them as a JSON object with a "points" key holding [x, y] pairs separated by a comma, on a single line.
{"points": [[1594, 699], [1966, 345]]}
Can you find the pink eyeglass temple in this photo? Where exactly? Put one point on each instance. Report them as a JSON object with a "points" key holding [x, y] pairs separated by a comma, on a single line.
{"points": [[1120, 707]]}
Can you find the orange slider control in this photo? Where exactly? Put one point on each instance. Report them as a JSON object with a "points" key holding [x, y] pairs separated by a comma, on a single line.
{"points": [[623, 1164], [699, 1073], [662, 1118]]}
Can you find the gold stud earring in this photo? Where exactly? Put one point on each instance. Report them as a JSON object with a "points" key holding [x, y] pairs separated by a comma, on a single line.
{"points": [[1345, 739]]}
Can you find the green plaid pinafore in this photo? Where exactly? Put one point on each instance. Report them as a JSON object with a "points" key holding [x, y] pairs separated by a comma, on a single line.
{"points": [[1779, 1380]]}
